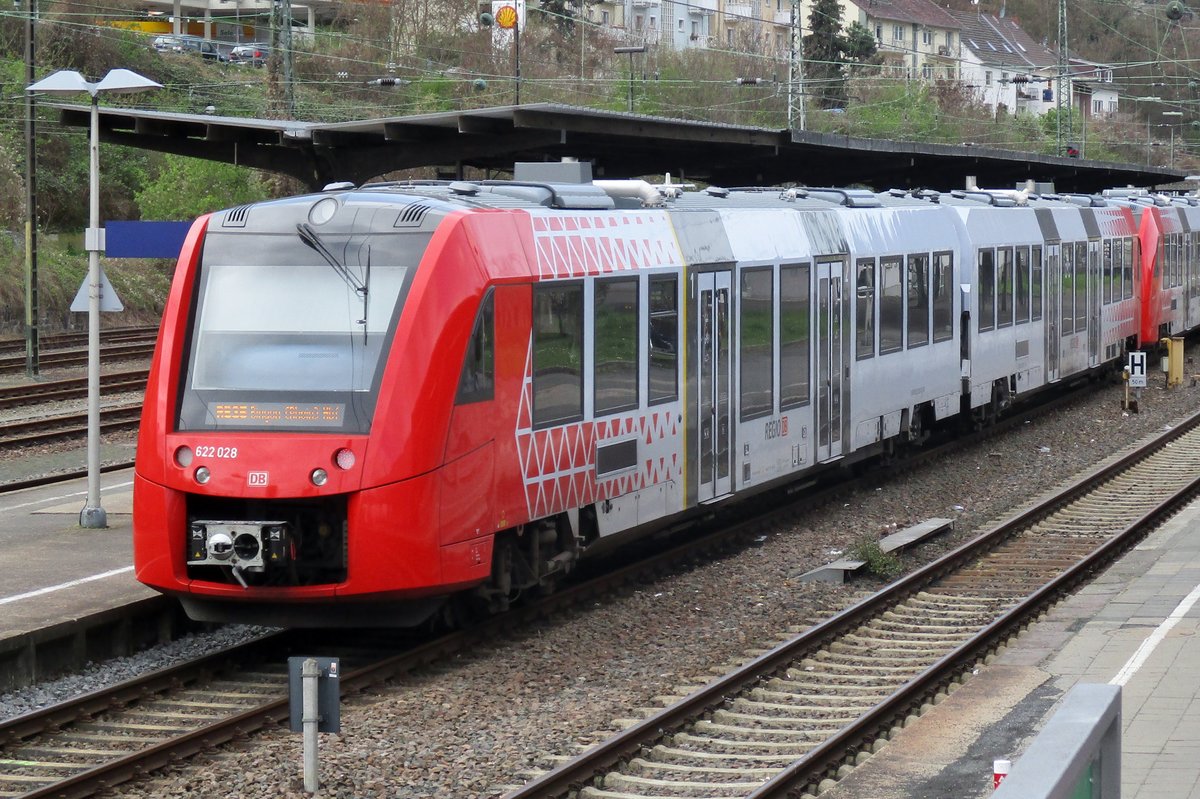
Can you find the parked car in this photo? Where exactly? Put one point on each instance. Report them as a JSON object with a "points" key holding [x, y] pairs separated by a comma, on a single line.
{"points": [[255, 54], [169, 43]]}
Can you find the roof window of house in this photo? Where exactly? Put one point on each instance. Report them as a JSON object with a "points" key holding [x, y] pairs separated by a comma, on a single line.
{"points": [[973, 45], [1007, 49], [989, 44], [1021, 47]]}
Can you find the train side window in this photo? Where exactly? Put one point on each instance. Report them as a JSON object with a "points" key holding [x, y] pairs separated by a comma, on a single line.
{"points": [[1022, 289], [663, 332], [1068, 288], [864, 313], [615, 341], [794, 292], [1178, 260], [1107, 279], [557, 354], [1118, 270], [1192, 265], [1035, 282], [917, 298], [1174, 259], [987, 290], [891, 305], [1127, 282], [943, 296], [757, 337], [477, 381], [1081, 282], [1004, 287]]}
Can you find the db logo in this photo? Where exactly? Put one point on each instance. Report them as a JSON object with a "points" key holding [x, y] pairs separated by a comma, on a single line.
{"points": [[256, 478]]}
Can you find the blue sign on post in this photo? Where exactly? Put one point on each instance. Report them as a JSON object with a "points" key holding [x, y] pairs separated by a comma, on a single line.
{"points": [[144, 239]]}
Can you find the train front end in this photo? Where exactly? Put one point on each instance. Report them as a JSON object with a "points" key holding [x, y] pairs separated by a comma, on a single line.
{"points": [[256, 445]]}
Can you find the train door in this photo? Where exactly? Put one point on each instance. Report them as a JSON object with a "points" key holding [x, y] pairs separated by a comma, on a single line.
{"points": [[1094, 289], [714, 384], [1053, 314], [828, 341]]}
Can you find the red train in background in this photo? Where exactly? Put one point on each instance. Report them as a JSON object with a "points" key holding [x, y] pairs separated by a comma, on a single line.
{"points": [[369, 402]]}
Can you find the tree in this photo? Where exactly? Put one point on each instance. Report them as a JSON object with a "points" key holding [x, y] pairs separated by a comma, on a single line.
{"points": [[824, 71], [189, 187], [860, 46]]}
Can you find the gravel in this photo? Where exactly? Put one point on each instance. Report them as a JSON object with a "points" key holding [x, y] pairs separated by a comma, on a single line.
{"points": [[468, 727], [100, 675]]}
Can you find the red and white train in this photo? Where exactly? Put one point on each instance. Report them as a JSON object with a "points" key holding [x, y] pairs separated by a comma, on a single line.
{"points": [[368, 401]]}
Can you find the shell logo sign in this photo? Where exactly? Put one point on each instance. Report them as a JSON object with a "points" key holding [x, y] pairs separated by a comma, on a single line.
{"points": [[506, 17], [509, 14]]}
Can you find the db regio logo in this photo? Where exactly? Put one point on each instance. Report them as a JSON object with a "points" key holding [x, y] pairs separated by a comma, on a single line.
{"points": [[256, 479]]}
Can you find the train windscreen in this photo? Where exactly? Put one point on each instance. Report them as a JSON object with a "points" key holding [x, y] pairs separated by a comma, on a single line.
{"points": [[289, 332]]}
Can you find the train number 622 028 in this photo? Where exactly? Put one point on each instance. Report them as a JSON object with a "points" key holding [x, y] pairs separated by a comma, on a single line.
{"points": [[224, 453]]}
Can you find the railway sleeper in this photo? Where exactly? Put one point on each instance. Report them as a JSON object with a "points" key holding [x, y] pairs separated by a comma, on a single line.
{"points": [[819, 690], [664, 753], [644, 768], [902, 662], [813, 673], [705, 745], [629, 782], [883, 646], [822, 688], [806, 713], [917, 619], [35, 750], [953, 603], [716, 730], [837, 704]]}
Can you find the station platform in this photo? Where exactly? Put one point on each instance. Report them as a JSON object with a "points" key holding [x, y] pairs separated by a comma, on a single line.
{"points": [[1134, 626], [68, 594]]}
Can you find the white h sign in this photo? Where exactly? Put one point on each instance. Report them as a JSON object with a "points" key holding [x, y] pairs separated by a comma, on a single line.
{"points": [[1137, 370]]}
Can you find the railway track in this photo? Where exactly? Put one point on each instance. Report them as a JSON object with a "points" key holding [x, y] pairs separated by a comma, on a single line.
{"points": [[134, 349], [790, 720], [797, 718], [26, 432], [71, 389], [60, 341]]}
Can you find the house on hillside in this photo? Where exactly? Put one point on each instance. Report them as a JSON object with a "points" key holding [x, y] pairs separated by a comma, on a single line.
{"points": [[917, 39], [1008, 68]]}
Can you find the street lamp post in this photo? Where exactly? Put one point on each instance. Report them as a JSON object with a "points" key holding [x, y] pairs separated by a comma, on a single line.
{"points": [[1147, 100], [641, 48], [117, 81], [1171, 153]]}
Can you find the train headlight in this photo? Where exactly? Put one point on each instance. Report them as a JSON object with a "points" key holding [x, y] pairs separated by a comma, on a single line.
{"points": [[322, 211], [202, 474], [344, 459], [183, 457], [319, 477]]}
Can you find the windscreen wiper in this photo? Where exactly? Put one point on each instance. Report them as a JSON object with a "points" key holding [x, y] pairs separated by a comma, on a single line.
{"points": [[360, 287]]}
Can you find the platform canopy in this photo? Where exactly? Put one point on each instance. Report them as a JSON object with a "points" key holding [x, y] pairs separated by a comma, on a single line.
{"points": [[618, 144]]}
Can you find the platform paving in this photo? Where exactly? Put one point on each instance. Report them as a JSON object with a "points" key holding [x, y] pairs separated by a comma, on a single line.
{"points": [[54, 571]]}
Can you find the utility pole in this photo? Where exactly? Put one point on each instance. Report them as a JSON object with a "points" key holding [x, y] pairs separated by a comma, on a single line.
{"points": [[795, 92], [279, 62], [1063, 89], [32, 311]]}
